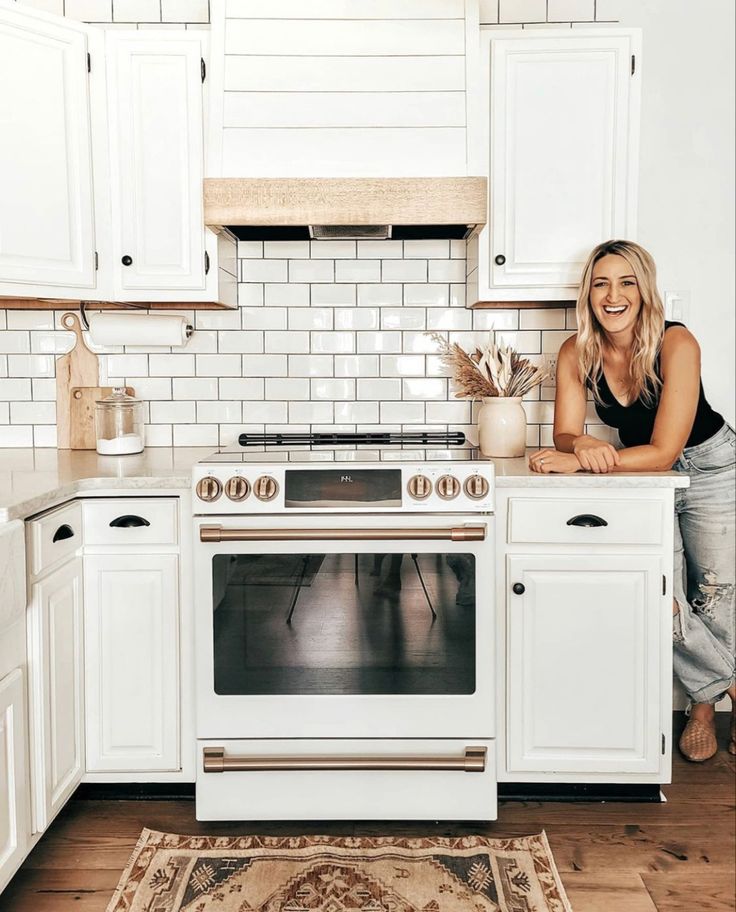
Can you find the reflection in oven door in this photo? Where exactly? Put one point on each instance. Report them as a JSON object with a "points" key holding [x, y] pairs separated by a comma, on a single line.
{"points": [[344, 623]]}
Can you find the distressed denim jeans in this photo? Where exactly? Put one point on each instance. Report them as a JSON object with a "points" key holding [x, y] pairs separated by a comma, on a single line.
{"points": [[705, 546]]}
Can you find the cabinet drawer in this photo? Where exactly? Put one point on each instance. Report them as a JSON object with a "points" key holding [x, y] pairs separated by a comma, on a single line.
{"points": [[54, 536], [266, 793], [588, 521], [131, 521]]}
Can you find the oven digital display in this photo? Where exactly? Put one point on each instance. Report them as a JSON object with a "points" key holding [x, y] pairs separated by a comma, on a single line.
{"points": [[342, 488]]}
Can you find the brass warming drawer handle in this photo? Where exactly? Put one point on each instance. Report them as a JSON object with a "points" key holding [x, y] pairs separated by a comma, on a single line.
{"points": [[472, 761], [458, 534]]}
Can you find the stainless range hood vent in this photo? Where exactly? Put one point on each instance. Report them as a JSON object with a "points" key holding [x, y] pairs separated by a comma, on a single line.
{"points": [[349, 232]]}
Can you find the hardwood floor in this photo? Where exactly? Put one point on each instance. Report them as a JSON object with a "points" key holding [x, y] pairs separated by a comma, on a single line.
{"points": [[612, 857]]}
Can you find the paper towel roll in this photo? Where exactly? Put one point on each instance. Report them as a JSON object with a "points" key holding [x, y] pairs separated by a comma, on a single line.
{"points": [[138, 329]]}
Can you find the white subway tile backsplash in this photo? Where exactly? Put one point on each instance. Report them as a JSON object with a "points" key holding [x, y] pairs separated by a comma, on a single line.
{"points": [[264, 271], [333, 295], [517, 11], [386, 342], [404, 270], [380, 250], [136, 11], [402, 412], [264, 317], [30, 319], [356, 412], [42, 389], [202, 341], [31, 366], [542, 319], [311, 365], [287, 342], [333, 342], [418, 342], [332, 389], [276, 250], [446, 270], [571, 10], [170, 365], [245, 342], [50, 342], [250, 250], [403, 318], [379, 388], [402, 365], [149, 388], [489, 320], [295, 295], [332, 250], [222, 412], [4, 413], [287, 389], [272, 365], [551, 340], [127, 365], [220, 319], [426, 296], [45, 435], [241, 388], [311, 413], [158, 435], [454, 413], [354, 318], [196, 435], [379, 295], [427, 249], [444, 318], [311, 271], [89, 10], [457, 249], [424, 388], [250, 294], [16, 435], [33, 413], [358, 270], [185, 11], [356, 365], [312, 318], [230, 365], [172, 412], [458, 294]]}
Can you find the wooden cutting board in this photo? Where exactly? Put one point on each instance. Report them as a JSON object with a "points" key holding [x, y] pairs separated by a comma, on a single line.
{"points": [[82, 432], [78, 368]]}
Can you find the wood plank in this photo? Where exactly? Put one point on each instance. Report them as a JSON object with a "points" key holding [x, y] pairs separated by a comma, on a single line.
{"points": [[682, 892], [607, 892], [343, 37], [344, 109], [345, 9], [357, 201], [352, 74], [54, 304]]}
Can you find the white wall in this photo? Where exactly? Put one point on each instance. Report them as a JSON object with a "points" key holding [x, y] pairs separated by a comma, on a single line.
{"points": [[686, 190]]}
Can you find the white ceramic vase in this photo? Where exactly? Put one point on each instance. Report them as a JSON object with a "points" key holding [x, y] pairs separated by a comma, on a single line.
{"points": [[502, 426]]}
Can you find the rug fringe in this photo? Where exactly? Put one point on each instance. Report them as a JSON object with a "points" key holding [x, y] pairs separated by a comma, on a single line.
{"points": [[560, 887], [139, 846]]}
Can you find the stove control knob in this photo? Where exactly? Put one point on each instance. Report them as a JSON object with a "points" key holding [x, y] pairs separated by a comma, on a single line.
{"points": [[420, 487], [208, 488], [237, 488], [448, 487], [266, 488], [476, 487]]}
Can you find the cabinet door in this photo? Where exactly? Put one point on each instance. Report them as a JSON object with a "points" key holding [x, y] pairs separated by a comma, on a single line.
{"points": [[561, 155], [131, 662], [584, 648], [56, 690], [156, 146], [15, 832], [46, 216]]}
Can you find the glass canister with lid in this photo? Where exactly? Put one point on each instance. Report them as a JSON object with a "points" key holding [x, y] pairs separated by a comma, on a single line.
{"points": [[119, 424]]}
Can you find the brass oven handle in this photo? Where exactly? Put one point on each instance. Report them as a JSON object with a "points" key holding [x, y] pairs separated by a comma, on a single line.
{"points": [[458, 534], [473, 760]]}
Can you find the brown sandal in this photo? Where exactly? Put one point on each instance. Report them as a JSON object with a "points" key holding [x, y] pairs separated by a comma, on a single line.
{"points": [[698, 741]]}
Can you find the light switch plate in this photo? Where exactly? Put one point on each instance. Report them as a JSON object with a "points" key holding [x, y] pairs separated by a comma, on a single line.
{"points": [[677, 306]]}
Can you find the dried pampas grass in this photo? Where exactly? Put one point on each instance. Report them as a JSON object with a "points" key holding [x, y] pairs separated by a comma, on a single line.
{"points": [[496, 370]]}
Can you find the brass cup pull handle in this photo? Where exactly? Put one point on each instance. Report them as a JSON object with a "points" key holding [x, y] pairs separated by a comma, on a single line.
{"points": [[473, 760], [457, 533]]}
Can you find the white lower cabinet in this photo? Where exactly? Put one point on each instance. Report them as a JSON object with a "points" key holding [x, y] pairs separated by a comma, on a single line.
{"points": [[132, 661], [56, 689], [584, 642], [15, 811]]}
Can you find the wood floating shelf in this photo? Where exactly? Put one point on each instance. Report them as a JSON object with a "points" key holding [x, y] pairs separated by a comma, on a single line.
{"points": [[519, 305], [57, 304]]}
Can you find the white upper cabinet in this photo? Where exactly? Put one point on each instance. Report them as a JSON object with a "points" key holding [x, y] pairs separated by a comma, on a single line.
{"points": [[559, 142], [47, 225], [156, 163]]}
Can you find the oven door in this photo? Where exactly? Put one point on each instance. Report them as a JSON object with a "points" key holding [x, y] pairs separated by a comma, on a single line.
{"points": [[344, 627]]}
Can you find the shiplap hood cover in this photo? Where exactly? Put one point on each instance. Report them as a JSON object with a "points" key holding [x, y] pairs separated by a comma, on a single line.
{"points": [[347, 207]]}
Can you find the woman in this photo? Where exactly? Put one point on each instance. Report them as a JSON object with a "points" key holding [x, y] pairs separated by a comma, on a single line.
{"points": [[644, 374]]}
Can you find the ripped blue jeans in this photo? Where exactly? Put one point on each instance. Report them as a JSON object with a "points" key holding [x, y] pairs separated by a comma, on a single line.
{"points": [[704, 629]]}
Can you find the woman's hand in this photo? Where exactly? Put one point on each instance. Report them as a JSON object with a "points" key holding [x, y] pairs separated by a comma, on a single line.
{"points": [[546, 461], [595, 455]]}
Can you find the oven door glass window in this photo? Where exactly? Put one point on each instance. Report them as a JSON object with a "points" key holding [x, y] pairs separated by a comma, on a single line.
{"points": [[344, 623]]}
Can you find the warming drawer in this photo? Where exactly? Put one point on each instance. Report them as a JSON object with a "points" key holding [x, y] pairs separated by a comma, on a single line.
{"points": [[447, 779]]}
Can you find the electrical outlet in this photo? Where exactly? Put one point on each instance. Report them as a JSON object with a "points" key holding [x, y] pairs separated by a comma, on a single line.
{"points": [[550, 363], [677, 306]]}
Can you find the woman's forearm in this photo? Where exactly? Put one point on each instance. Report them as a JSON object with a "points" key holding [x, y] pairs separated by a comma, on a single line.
{"points": [[565, 442], [646, 458]]}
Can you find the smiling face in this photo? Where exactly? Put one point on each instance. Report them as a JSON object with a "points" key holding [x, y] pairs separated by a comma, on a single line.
{"points": [[614, 295]]}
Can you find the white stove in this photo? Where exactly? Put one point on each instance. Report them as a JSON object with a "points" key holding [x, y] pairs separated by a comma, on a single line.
{"points": [[344, 625]]}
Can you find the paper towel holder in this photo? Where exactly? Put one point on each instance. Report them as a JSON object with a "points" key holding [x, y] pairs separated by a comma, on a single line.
{"points": [[188, 331]]}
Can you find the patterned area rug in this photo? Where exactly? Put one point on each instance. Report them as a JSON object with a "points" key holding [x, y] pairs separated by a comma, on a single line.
{"points": [[170, 873]]}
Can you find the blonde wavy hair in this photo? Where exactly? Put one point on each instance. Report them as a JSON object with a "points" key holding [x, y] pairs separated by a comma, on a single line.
{"points": [[648, 333]]}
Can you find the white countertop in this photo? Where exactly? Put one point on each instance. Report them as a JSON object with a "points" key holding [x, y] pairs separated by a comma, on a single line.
{"points": [[32, 480]]}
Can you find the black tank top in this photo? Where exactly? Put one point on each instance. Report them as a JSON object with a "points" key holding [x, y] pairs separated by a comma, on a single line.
{"points": [[635, 422]]}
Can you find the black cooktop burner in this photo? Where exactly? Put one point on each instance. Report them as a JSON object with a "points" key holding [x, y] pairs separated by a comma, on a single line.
{"points": [[377, 439]]}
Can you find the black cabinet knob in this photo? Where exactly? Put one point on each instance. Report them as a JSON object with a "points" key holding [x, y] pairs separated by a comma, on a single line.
{"points": [[519, 588], [127, 260], [499, 260]]}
